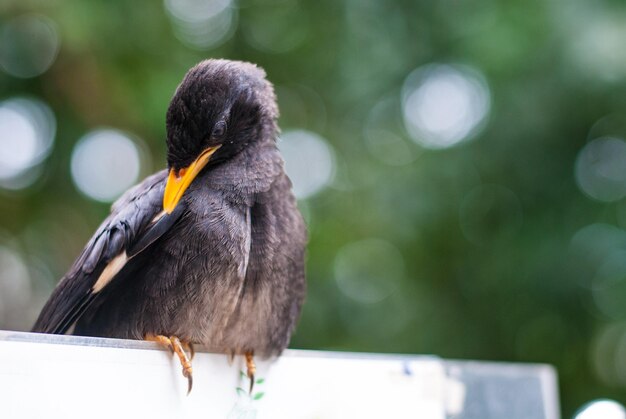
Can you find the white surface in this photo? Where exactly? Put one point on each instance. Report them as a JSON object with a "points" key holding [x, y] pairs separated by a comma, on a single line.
{"points": [[47, 376], [61, 379]]}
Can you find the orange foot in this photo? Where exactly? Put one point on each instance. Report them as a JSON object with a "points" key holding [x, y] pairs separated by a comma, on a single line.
{"points": [[178, 347], [251, 368]]}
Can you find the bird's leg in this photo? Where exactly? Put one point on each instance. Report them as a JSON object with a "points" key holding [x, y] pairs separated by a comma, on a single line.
{"points": [[175, 345], [188, 346], [163, 340], [184, 361], [250, 368]]}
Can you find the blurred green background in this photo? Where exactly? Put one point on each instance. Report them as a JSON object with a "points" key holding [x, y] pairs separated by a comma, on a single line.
{"points": [[461, 164]]}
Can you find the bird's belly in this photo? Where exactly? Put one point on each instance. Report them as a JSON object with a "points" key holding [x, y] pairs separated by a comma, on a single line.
{"points": [[210, 306], [235, 324]]}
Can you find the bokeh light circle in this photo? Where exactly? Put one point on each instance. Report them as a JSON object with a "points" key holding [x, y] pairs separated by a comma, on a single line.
{"points": [[444, 105], [369, 270], [309, 161], [27, 130], [602, 409], [593, 242], [609, 285], [196, 10], [601, 169], [202, 24], [608, 354], [596, 48], [29, 44], [104, 164]]}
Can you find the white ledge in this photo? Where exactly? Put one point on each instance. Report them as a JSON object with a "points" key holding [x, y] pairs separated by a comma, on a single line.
{"points": [[49, 376]]}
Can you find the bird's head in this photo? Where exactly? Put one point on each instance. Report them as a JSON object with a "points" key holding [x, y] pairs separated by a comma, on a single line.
{"points": [[219, 109]]}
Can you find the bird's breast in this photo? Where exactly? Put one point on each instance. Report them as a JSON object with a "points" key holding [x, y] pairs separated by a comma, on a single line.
{"points": [[212, 248]]}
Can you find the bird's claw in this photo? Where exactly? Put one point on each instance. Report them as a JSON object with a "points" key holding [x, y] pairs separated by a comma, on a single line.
{"points": [[189, 377], [231, 357], [250, 369], [251, 384], [178, 347]]}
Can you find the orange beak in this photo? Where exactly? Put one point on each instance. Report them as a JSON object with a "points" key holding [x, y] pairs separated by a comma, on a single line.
{"points": [[179, 181]]}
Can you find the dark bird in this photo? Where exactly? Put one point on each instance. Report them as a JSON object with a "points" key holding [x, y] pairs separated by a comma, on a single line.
{"points": [[209, 251]]}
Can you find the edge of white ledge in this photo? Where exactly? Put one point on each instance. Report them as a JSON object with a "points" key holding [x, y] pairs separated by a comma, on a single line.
{"points": [[8, 335]]}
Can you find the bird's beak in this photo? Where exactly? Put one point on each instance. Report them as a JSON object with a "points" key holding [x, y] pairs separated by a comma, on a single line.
{"points": [[179, 181]]}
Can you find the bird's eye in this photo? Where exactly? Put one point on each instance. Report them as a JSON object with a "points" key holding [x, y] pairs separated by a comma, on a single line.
{"points": [[219, 130]]}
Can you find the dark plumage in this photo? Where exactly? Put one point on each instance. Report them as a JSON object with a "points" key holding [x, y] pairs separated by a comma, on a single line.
{"points": [[225, 267]]}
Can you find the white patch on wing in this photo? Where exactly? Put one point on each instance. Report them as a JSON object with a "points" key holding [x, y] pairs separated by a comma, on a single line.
{"points": [[158, 217], [109, 272]]}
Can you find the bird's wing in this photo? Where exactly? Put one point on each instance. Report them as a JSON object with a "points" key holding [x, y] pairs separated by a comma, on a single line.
{"points": [[135, 222]]}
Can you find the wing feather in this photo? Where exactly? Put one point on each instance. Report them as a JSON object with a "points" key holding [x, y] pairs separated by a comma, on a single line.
{"points": [[131, 227]]}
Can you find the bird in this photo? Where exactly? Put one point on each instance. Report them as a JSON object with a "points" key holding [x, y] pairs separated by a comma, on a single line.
{"points": [[209, 250]]}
